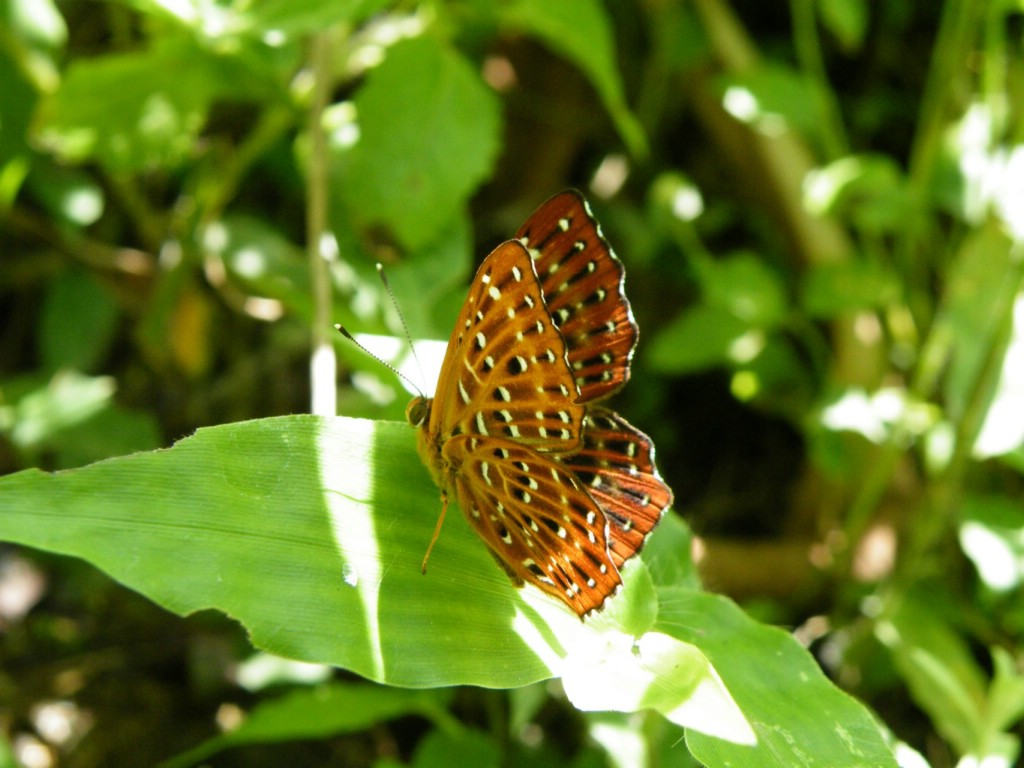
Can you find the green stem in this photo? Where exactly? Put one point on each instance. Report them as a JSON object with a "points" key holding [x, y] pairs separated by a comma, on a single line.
{"points": [[151, 227], [322, 360], [958, 29], [808, 50], [946, 491], [272, 125]]}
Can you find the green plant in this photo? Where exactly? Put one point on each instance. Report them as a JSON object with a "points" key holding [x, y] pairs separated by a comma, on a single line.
{"points": [[192, 194]]}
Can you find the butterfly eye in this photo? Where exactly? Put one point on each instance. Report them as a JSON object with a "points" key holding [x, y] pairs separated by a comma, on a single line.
{"points": [[417, 411]]}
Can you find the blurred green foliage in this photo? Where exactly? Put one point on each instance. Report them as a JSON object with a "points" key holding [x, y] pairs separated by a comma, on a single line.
{"points": [[820, 209]]}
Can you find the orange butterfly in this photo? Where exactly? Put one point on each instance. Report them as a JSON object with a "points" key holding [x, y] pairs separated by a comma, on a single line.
{"points": [[561, 490]]}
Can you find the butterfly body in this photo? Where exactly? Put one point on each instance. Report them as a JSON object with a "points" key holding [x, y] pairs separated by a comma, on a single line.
{"points": [[562, 491]]}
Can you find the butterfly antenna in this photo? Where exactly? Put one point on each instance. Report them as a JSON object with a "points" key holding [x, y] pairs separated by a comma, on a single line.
{"points": [[401, 319], [344, 332]]}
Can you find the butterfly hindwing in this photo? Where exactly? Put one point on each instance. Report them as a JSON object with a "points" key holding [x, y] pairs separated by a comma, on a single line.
{"points": [[536, 518], [616, 465]]}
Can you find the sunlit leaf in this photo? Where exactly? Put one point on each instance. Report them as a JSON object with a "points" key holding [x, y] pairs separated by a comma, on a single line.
{"points": [[310, 532], [779, 688]]}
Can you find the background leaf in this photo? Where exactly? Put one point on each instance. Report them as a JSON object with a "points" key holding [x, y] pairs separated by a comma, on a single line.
{"points": [[581, 32], [158, 112], [428, 133]]}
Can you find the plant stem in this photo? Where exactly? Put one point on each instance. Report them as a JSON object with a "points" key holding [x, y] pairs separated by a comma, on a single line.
{"points": [[957, 31], [808, 50], [946, 492], [322, 364], [272, 125]]}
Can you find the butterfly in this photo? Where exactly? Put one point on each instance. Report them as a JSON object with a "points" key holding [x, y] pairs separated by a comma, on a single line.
{"points": [[562, 490]]}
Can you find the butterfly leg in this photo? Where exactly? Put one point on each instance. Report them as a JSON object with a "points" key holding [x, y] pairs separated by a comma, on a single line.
{"points": [[437, 531]]}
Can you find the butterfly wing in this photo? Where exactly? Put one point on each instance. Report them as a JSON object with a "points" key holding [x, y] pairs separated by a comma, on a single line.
{"points": [[536, 518], [505, 373], [616, 464], [562, 494], [583, 285]]}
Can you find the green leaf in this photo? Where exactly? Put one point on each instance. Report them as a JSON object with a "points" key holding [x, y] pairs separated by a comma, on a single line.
{"points": [[581, 32], [847, 20], [72, 419], [315, 713], [869, 190], [744, 285], [990, 535], [798, 716], [112, 431], [36, 22], [625, 673], [843, 288], [16, 108], [34, 36], [71, 195], [661, 553], [432, 280], [473, 748], [66, 400], [7, 755], [976, 278], [1006, 694], [262, 259], [742, 299], [294, 18], [149, 116], [310, 532], [77, 322], [428, 135], [939, 668], [771, 98], [268, 20], [701, 337]]}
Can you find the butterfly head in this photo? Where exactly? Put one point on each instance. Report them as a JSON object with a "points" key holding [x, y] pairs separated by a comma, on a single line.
{"points": [[418, 411]]}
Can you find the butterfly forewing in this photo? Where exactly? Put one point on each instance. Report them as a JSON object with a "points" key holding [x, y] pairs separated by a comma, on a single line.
{"points": [[582, 280], [536, 518], [616, 465], [505, 372]]}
